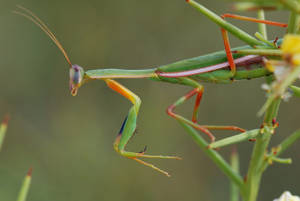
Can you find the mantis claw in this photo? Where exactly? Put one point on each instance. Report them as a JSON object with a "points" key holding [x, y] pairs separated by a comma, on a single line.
{"points": [[144, 150]]}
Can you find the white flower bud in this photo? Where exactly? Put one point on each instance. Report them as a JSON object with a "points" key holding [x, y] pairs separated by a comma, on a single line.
{"points": [[287, 196]]}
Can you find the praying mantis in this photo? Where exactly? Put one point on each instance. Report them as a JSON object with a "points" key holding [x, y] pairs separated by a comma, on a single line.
{"points": [[218, 67]]}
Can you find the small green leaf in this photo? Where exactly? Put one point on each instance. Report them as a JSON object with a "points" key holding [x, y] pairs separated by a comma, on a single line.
{"points": [[248, 135]]}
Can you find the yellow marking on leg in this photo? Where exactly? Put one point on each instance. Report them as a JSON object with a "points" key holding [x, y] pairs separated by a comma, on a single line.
{"points": [[152, 166], [116, 143], [121, 90]]}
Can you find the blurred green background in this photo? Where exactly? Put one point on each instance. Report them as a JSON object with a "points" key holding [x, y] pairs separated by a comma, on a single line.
{"points": [[68, 140]]}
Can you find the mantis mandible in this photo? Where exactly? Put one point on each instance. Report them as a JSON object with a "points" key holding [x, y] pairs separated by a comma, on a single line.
{"points": [[219, 67]]}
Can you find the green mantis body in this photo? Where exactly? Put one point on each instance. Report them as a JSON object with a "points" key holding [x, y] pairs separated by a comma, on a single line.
{"points": [[231, 71], [216, 76]]}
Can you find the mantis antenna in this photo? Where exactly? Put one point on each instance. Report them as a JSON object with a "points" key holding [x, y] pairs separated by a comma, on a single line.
{"points": [[36, 20]]}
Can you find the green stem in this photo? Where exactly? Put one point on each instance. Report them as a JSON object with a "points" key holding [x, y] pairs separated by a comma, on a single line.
{"points": [[288, 142], [282, 160], [215, 156], [292, 5], [262, 27], [234, 190], [3, 128], [263, 52], [262, 38], [281, 87], [248, 135], [226, 25], [292, 22], [284, 145], [25, 187], [255, 170], [294, 19]]}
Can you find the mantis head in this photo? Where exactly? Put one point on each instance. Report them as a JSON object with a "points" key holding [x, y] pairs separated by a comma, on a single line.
{"points": [[76, 72], [76, 78]]}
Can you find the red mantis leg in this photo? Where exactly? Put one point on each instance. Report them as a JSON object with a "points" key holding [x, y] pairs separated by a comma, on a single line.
{"points": [[226, 39], [198, 90]]}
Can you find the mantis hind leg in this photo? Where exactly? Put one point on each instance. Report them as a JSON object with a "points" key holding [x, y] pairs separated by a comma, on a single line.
{"points": [[226, 38], [233, 29], [129, 126], [198, 91]]}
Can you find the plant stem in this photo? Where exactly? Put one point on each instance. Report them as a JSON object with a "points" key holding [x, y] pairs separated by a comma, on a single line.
{"points": [[248, 135], [255, 170], [294, 19], [215, 156], [234, 190], [262, 27], [288, 142], [3, 128], [226, 25], [263, 52], [292, 5], [25, 186]]}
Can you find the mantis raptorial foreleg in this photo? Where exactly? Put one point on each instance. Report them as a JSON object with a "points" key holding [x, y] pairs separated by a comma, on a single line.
{"points": [[198, 90], [129, 126]]}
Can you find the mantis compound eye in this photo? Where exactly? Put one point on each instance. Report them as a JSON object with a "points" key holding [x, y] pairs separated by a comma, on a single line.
{"points": [[76, 78]]}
